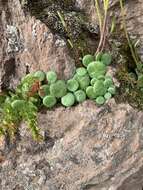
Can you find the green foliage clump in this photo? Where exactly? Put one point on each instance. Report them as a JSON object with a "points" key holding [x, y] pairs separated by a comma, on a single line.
{"points": [[101, 77], [28, 87], [13, 112], [140, 81], [18, 104], [89, 81], [108, 82], [112, 90]]}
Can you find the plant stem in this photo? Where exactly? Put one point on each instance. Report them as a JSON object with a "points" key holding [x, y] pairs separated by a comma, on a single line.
{"points": [[65, 26], [126, 33], [103, 31], [98, 14]]}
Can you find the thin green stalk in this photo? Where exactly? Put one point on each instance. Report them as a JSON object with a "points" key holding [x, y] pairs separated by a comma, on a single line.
{"points": [[126, 33], [65, 26], [104, 27], [98, 14]]}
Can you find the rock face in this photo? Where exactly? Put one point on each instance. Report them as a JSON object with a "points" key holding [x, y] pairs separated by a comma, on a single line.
{"points": [[133, 12], [28, 45], [85, 148]]}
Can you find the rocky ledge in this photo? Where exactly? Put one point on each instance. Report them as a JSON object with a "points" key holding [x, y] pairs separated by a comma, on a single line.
{"points": [[85, 148]]}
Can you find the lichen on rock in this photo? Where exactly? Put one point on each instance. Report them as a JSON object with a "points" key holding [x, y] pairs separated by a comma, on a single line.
{"points": [[76, 28]]}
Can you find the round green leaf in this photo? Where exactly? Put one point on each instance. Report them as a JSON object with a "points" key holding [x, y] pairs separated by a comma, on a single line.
{"points": [[87, 59], [68, 100], [49, 101], [72, 85], [80, 96]]}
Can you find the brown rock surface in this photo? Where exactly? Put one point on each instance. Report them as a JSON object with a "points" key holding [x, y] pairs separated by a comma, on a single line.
{"points": [[133, 13], [85, 147], [28, 45]]}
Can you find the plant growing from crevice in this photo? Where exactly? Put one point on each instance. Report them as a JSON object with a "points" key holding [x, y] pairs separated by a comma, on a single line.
{"points": [[133, 52], [21, 106], [102, 23], [43, 89], [130, 67], [15, 111], [70, 40]]}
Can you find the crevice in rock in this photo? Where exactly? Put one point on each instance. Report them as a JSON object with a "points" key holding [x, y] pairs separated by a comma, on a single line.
{"points": [[9, 69], [133, 182], [79, 30]]}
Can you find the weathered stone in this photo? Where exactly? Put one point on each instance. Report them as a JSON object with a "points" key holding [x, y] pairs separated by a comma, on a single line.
{"points": [[31, 44], [133, 14], [85, 147]]}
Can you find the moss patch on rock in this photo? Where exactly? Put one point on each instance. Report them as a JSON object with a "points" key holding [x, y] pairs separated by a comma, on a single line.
{"points": [[79, 33], [127, 73]]}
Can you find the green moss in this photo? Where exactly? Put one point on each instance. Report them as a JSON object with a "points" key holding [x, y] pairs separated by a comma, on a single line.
{"points": [[16, 107], [18, 104], [101, 77], [140, 81]]}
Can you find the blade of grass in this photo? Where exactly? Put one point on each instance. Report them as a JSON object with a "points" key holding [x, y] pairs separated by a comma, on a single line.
{"points": [[99, 14], [126, 33], [104, 27], [65, 26]]}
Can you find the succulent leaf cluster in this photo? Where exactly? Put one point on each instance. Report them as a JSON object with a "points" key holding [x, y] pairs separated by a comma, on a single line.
{"points": [[45, 89], [89, 81]]}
